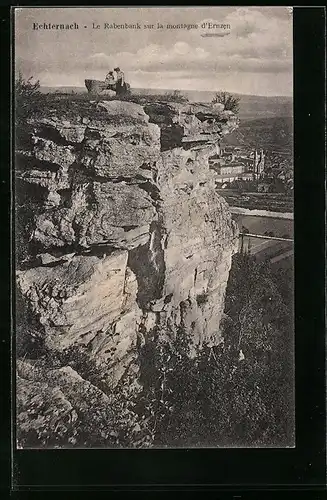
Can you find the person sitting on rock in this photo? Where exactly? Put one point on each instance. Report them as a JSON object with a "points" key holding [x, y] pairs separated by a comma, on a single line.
{"points": [[110, 80], [120, 81]]}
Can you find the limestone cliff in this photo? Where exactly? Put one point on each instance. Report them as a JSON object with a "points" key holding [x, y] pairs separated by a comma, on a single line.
{"points": [[120, 235]]}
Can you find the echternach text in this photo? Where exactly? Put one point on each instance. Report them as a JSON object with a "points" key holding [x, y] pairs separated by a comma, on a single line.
{"points": [[51, 26]]}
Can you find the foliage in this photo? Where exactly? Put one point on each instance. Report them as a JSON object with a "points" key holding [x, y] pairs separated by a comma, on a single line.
{"points": [[27, 98], [202, 298], [26, 88], [215, 399], [175, 96], [243, 185], [230, 102]]}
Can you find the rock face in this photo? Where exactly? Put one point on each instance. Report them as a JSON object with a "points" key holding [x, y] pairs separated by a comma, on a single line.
{"points": [[121, 234]]}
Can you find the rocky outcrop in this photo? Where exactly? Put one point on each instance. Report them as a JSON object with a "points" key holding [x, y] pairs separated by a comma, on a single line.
{"points": [[122, 235], [53, 410]]}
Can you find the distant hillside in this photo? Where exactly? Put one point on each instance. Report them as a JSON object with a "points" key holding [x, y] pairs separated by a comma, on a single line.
{"points": [[251, 106], [266, 133], [63, 90]]}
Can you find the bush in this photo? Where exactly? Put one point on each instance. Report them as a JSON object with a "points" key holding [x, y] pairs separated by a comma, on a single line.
{"points": [[27, 98], [215, 399], [202, 298], [26, 88], [230, 102], [175, 96]]}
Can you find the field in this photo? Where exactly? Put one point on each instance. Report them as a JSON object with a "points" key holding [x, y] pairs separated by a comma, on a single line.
{"points": [[261, 225], [274, 202], [264, 249]]}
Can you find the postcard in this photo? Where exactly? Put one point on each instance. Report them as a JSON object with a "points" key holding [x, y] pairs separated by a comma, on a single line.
{"points": [[154, 227]]}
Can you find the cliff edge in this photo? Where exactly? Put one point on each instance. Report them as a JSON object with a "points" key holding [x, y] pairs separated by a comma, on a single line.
{"points": [[121, 238]]}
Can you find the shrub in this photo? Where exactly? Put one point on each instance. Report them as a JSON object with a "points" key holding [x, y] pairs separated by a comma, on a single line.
{"points": [[26, 88], [202, 298], [27, 98], [215, 400], [230, 102], [175, 96]]}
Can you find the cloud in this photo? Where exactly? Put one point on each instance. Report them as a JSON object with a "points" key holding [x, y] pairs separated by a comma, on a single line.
{"points": [[153, 55], [259, 32], [157, 58], [245, 21], [259, 43]]}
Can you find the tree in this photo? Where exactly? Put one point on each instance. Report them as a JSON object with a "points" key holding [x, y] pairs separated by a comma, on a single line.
{"points": [[27, 98], [26, 88], [230, 102]]}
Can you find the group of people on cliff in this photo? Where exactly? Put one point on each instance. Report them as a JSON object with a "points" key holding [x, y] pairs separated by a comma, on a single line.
{"points": [[115, 80]]}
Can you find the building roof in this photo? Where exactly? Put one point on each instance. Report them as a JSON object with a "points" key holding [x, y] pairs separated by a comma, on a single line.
{"points": [[233, 164], [237, 176]]}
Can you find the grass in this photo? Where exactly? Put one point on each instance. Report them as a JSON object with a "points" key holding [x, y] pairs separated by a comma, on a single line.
{"points": [[72, 106]]}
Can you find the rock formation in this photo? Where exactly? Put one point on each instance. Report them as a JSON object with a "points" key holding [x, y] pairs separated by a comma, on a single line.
{"points": [[120, 235]]}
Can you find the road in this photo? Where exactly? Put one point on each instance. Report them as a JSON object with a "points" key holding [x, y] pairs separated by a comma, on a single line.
{"points": [[266, 249], [257, 243], [261, 213]]}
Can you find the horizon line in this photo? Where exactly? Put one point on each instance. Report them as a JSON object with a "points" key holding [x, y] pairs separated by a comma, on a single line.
{"points": [[181, 90]]}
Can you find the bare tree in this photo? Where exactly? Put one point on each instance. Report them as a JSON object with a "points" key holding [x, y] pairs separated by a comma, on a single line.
{"points": [[27, 98], [26, 88], [230, 102]]}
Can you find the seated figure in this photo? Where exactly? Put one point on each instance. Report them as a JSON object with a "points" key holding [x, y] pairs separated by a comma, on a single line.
{"points": [[110, 81]]}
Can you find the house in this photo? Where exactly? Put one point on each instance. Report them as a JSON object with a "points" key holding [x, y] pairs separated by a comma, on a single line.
{"points": [[232, 172], [214, 157], [233, 168], [228, 156]]}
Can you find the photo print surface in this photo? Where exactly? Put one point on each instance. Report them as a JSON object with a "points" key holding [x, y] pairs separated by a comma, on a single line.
{"points": [[153, 177]]}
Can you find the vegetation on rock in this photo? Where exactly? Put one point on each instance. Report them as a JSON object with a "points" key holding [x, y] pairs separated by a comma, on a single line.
{"points": [[175, 96], [230, 102], [219, 399], [63, 396], [216, 399], [27, 98]]}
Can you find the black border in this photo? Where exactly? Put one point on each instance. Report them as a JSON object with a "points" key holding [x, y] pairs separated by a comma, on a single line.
{"points": [[298, 470], [5, 238]]}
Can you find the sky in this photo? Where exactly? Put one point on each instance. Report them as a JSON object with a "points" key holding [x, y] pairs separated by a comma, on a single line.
{"points": [[255, 56]]}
